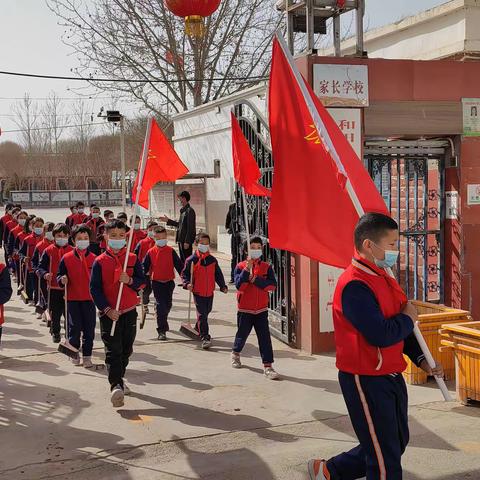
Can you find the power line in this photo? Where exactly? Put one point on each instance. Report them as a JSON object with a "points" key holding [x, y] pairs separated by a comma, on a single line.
{"points": [[51, 128], [121, 80], [90, 97]]}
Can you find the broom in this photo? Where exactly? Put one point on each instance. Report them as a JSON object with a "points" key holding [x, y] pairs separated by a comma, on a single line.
{"points": [[187, 328], [65, 347], [20, 279], [38, 307], [48, 315]]}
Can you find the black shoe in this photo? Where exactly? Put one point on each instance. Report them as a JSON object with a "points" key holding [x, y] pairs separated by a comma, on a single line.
{"points": [[162, 336], [231, 282], [56, 338]]}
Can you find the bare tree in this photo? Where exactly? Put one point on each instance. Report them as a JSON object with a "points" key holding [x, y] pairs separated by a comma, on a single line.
{"points": [[27, 119], [141, 39], [54, 121], [83, 131]]}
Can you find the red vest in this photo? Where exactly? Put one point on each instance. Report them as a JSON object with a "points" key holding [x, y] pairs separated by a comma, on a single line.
{"points": [[112, 267], [252, 299], [162, 268], [354, 354], [32, 241], [203, 275], [145, 245], [93, 224], [5, 219], [138, 235], [2, 315], [79, 269], [78, 218], [55, 254], [43, 245]]}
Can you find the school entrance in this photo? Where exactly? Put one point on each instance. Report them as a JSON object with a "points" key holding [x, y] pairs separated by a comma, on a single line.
{"points": [[410, 176], [255, 128]]}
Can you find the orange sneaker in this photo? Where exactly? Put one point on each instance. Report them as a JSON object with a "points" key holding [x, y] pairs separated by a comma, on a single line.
{"points": [[318, 470]]}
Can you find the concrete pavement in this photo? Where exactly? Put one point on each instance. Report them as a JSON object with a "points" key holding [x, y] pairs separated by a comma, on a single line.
{"points": [[192, 416]]}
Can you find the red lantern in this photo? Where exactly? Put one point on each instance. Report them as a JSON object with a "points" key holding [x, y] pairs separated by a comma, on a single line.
{"points": [[193, 11]]}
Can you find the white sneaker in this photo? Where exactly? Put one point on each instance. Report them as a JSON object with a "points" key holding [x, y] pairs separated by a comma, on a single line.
{"points": [[117, 397], [236, 363], [271, 374], [39, 316], [126, 390], [75, 361], [206, 344], [87, 362], [317, 469]]}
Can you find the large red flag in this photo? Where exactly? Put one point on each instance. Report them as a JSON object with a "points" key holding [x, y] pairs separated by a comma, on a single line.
{"points": [[163, 165], [245, 167], [311, 211]]}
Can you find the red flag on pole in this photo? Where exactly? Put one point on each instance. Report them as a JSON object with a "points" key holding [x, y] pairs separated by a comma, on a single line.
{"points": [[245, 167], [163, 165], [317, 173]]}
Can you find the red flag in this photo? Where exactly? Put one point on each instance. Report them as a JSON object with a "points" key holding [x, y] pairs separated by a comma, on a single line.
{"points": [[163, 165], [245, 166], [311, 211]]}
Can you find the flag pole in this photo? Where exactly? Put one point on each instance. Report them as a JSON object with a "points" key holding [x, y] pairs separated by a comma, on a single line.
{"points": [[141, 174], [245, 219], [322, 131]]}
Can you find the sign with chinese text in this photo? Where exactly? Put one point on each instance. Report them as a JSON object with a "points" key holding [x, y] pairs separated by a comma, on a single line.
{"points": [[341, 85], [471, 117], [452, 205], [327, 280], [349, 120], [473, 194]]}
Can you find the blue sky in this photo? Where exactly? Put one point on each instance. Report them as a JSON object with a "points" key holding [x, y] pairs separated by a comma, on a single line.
{"points": [[30, 41]]}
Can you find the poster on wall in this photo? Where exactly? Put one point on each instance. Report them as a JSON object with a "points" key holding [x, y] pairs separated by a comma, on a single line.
{"points": [[20, 197], [341, 85], [471, 117], [41, 197], [451, 205], [60, 196], [98, 195], [349, 120], [79, 196], [327, 281]]}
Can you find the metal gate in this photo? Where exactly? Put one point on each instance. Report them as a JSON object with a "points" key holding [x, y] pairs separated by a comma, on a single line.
{"points": [[410, 178], [255, 129]]}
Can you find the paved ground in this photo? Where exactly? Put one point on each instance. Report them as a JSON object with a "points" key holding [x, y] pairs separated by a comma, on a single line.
{"points": [[192, 416]]}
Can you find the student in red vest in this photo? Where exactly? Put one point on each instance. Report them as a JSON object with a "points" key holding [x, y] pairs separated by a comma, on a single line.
{"points": [[9, 226], [26, 253], [200, 274], [94, 224], [5, 293], [21, 220], [41, 246], [374, 323], [74, 272], [4, 220], [159, 265], [137, 232], [141, 250], [69, 219], [80, 216], [48, 270], [254, 280], [107, 274], [108, 216]]}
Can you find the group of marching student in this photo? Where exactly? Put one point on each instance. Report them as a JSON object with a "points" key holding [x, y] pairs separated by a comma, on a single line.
{"points": [[75, 268]]}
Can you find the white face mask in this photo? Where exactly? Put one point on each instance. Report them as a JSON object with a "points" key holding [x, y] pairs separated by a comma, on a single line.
{"points": [[61, 242], [82, 244], [80, 210], [49, 236], [22, 222], [203, 248], [255, 254], [95, 215], [136, 226]]}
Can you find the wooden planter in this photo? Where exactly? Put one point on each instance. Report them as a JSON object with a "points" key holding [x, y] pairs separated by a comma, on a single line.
{"points": [[463, 341], [431, 318]]}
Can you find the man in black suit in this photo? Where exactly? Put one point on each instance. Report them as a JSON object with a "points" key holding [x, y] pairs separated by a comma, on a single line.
{"points": [[186, 226]]}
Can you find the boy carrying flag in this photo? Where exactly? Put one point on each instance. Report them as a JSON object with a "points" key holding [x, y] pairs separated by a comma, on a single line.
{"points": [[254, 280], [373, 323], [159, 265], [48, 270], [199, 276], [74, 273], [107, 274]]}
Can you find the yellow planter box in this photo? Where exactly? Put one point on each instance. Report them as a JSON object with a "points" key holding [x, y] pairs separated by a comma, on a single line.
{"points": [[431, 318], [463, 341]]}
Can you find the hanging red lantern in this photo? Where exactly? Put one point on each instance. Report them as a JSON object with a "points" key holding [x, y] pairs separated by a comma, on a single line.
{"points": [[193, 11]]}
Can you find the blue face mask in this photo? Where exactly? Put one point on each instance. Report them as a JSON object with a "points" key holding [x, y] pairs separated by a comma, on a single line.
{"points": [[83, 244], [390, 260], [38, 230], [136, 226], [161, 243], [22, 222], [49, 236], [255, 254], [151, 234], [203, 248], [61, 242], [117, 244]]}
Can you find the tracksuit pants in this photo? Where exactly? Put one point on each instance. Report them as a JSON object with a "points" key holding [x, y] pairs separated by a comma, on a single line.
{"points": [[42, 294], [118, 348], [204, 307], [147, 291], [57, 309], [259, 321], [82, 317], [163, 292], [31, 286], [378, 411]]}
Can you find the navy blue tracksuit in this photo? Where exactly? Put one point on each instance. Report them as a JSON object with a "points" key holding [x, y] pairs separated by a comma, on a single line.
{"points": [[377, 405]]}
